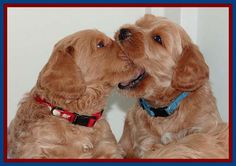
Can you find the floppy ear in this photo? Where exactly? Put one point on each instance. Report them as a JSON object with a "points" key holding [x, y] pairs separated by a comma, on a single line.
{"points": [[61, 77], [191, 71]]}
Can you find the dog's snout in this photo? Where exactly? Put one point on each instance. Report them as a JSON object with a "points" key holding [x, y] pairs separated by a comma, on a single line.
{"points": [[124, 34]]}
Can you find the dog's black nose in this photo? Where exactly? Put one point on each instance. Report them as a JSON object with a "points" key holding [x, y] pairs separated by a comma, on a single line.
{"points": [[124, 34]]}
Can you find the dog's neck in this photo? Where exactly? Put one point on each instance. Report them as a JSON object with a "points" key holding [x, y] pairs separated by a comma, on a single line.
{"points": [[162, 97], [93, 100]]}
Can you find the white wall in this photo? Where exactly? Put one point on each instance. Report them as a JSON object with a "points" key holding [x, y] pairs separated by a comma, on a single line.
{"points": [[213, 40], [32, 32]]}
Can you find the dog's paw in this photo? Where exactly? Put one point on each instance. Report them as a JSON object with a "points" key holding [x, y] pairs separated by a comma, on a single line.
{"points": [[167, 138], [87, 147]]}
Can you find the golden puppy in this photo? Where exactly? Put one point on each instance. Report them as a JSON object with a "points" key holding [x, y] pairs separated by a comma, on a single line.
{"points": [[61, 116], [176, 114]]}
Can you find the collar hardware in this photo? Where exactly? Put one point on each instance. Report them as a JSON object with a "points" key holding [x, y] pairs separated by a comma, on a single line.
{"points": [[83, 119]]}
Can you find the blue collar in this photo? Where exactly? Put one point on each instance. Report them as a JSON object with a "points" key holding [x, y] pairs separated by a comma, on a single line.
{"points": [[162, 111]]}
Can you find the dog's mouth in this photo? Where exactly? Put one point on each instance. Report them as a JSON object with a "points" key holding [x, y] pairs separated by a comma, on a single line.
{"points": [[134, 81]]}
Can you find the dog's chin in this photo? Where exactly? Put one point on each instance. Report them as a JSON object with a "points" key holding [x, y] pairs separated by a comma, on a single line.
{"points": [[136, 86], [133, 82]]}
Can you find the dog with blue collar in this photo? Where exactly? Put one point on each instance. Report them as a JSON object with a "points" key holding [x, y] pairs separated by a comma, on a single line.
{"points": [[176, 114]]}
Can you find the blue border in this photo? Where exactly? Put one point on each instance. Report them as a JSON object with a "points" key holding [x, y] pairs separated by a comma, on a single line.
{"points": [[107, 1], [117, 1]]}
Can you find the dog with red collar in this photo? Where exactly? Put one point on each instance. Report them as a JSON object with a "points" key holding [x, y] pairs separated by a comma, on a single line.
{"points": [[61, 117]]}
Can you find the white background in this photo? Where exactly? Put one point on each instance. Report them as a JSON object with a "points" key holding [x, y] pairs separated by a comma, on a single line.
{"points": [[32, 33]]}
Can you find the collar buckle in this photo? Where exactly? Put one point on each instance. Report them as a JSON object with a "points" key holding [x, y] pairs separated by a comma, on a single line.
{"points": [[161, 112], [84, 120]]}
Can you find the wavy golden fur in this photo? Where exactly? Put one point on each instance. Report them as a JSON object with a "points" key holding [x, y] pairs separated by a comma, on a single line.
{"points": [[173, 65], [82, 70]]}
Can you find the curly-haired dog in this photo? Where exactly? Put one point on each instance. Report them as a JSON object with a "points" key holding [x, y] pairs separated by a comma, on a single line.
{"points": [[72, 86], [176, 115]]}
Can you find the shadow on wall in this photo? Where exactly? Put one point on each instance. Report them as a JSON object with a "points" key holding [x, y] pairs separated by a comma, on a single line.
{"points": [[120, 102]]}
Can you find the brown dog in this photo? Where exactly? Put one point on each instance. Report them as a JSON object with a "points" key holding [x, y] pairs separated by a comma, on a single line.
{"points": [[82, 70], [176, 116]]}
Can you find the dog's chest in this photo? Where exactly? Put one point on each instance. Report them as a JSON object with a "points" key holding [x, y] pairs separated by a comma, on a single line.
{"points": [[147, 131], [58, 138]]}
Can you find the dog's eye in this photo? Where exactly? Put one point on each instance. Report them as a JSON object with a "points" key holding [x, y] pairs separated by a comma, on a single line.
{"points": [[100, 44], [157, 38]]}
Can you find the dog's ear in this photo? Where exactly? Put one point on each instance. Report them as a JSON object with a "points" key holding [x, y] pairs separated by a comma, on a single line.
{"points": [[61, 77], [191, 71]]}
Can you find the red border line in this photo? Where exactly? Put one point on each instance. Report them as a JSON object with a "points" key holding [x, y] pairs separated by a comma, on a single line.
{"points": [[229, 6], [118, 160], [230, 83]]}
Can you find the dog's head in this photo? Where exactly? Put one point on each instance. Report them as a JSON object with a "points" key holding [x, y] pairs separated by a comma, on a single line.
{"points": [[80, 60], [166, 53]]}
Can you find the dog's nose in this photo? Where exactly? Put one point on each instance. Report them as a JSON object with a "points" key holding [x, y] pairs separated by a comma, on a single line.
{"points": [[124, 34]]}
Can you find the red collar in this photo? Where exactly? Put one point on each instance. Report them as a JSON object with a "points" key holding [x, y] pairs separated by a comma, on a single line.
{"points": [[75, 118]]}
